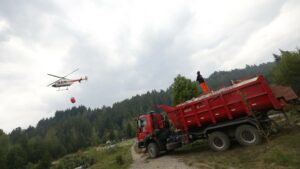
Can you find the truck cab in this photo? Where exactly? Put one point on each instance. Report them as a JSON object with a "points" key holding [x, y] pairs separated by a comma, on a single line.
{"points": [[154, 134]]}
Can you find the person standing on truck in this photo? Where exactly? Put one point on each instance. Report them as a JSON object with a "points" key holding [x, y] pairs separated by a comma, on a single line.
{"points": [[202, 83]]}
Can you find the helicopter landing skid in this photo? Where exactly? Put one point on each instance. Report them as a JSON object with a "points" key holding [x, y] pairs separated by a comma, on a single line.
{"points": [[59, 89]]}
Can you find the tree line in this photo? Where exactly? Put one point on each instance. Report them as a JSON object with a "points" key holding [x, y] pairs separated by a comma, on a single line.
{"points": [[80, 127]]}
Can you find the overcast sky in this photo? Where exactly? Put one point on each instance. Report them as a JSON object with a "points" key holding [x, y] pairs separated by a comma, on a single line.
{"points": [[128, 47]]}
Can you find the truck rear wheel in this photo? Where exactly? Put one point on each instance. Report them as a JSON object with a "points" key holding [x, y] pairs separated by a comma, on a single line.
{"points": [[247, 135], [218, 141], [153, 150]]}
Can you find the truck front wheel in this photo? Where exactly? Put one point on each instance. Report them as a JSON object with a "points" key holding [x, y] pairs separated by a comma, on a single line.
{"points": [[247, 135], [153, 150], [218, 141]]}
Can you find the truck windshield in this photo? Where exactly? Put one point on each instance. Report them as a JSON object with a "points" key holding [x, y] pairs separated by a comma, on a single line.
{"points": [[142, 123]]}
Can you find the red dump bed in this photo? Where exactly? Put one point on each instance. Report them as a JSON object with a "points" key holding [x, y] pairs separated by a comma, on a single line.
{"points": [[238, 100]]}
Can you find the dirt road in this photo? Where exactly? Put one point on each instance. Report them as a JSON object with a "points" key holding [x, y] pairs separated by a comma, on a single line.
{"points": [[163, 162]]}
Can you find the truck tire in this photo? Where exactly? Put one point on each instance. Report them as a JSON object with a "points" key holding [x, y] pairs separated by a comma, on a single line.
{"points": [[153, 150], [218, 141], [247, 135]]}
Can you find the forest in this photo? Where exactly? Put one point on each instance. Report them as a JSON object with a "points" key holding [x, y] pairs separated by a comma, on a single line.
{"points": [[81, 127]]}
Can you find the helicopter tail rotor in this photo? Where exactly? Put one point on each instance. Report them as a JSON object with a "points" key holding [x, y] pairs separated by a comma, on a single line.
{"points": [[83, 78]]}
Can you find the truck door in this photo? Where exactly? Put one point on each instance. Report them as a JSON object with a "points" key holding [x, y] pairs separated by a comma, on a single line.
{"points": [[142, 128]]}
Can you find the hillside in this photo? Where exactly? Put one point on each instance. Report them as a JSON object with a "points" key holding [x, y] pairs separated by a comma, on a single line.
{"points": [[221, 78]]}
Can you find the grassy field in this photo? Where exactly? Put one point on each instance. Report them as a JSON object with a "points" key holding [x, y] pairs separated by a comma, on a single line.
{"points": [[116, 157], [282, 151]]}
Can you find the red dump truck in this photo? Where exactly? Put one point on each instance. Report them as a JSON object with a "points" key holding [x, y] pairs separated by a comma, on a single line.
{"points": [[237, 112]]}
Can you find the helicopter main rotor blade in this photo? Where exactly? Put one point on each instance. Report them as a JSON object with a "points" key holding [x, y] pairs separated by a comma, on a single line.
{"points": [[71, 73], [54, 76]]}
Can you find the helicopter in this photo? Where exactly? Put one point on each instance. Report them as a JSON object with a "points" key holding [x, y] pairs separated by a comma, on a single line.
{"points": [[64, 82]]}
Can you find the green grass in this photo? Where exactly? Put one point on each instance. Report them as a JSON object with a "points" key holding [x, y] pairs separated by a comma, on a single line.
{"points": [[282, 152], [286, 150], [118, 157]]}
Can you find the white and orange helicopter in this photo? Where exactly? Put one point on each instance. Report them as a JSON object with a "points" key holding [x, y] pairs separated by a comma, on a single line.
{"points": [[64, 82]]}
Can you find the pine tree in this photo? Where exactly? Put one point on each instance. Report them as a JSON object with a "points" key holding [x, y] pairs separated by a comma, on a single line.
{"points": [[16, 157], [4, 143], [129, 130], [94, 138]]}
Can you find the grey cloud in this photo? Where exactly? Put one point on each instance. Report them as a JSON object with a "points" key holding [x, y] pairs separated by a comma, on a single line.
{"points": [[164, 55], [229, 41], [27, 18], [240, 30]]}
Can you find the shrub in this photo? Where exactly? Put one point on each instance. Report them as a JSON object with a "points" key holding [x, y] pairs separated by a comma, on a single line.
{"points": [[119, 160]]}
